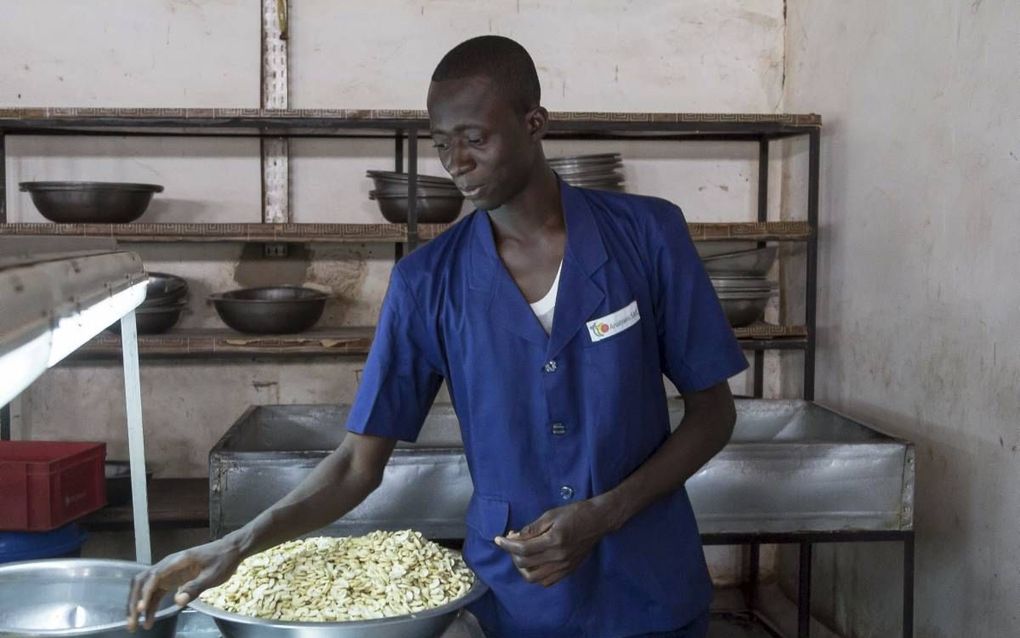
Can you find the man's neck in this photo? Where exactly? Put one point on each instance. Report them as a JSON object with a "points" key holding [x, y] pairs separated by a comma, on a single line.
{"points": [[535, 210]]}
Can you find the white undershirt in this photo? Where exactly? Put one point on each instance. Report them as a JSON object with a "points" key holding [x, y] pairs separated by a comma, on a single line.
{"points": [[546, 306]]}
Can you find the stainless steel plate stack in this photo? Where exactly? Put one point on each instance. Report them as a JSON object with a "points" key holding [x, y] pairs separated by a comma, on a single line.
{"points": [[602, 171], [739, 271], [743, 297]]}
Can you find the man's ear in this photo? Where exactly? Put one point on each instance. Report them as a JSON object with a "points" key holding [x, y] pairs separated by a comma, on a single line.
{"points": [[537, 121]]}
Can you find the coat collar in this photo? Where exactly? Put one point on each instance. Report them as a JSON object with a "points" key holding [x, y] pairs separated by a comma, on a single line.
{"points": [[579, 295]]}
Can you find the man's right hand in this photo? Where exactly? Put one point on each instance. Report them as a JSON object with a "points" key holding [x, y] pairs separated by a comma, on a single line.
{"points": [[188, 573]]}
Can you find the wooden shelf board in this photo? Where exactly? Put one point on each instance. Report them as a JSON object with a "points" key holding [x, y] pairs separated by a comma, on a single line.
{"points": [[340, 122], [225, 342], [269, 233], [342, 233], [340, 341]]}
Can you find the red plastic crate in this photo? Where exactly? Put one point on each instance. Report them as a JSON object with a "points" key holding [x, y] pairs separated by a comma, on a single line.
{"points": [[46, 484]]}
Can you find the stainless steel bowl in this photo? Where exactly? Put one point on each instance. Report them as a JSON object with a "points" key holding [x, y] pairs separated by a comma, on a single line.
{"points": [[431, 210], [742, 308], [754, 263], [270, 310], [91, 202], [426, 624], [73, 597]]}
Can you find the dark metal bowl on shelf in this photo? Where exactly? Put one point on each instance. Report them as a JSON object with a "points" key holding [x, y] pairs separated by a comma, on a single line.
{"points": [[391, 178], [431, 210], [422, 191], [164, 289], [90, 202], [151, 320], [270, 309]]}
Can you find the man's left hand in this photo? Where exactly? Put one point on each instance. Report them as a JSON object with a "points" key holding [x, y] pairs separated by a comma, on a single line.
{"points": [[551, 547]]}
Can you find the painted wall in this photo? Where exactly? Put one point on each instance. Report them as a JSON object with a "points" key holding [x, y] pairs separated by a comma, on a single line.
{"points": [[918, 309], [705, 56], [656, 55]]}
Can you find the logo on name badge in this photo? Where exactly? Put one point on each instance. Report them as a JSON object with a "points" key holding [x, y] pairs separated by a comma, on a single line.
{"points": [[613, 323]]}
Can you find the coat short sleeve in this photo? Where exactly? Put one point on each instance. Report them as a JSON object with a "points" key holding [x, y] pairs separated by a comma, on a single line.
{"points": [[401, 376], [697, 347]]}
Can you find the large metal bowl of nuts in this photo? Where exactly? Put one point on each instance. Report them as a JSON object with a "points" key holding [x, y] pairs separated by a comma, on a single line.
{"points": [[381, 585]]}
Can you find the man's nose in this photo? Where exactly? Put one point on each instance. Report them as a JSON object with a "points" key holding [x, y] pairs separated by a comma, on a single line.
{"points": [[460, 161]]}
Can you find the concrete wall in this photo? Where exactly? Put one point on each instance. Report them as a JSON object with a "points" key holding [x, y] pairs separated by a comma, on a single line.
{"points": [[918, 307]]}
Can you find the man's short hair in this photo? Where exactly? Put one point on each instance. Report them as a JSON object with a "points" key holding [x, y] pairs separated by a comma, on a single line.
{"points": [[501, 60]]}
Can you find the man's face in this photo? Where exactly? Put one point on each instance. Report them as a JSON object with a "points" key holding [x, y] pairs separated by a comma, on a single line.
{"points": [[485, 146]]}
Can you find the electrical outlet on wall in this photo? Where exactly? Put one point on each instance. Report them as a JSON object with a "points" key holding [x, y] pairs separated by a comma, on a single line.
{"points": [[275, 250]]}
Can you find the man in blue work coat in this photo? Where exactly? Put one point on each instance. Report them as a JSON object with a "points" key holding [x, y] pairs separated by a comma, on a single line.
{"points": [[552, 313]]}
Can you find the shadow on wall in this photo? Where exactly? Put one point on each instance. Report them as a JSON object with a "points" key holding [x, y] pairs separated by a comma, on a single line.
{"points": [[857, 587]]}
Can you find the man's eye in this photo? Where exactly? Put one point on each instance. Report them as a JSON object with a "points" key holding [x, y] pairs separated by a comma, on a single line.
{"points": [[475, 141], [439, 146]]}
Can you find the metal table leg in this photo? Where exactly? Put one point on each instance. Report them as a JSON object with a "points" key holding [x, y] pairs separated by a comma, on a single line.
{"points": [[908, 586], [751, 591], [804, 592], [136, 440]]}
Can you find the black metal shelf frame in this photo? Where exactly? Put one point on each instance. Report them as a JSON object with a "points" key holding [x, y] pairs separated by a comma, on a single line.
{"points": [[406, 128]]}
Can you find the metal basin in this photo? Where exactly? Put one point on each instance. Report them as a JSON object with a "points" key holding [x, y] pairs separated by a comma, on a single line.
{"points": [[431, 210], [155, 319], [164, 289], [389, 177], [423, 191], [270, 310], [73, 597], [271, 448], [791, 466], [426, 624], [90, 202]]}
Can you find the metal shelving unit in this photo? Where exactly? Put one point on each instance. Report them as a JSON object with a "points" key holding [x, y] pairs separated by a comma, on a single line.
{"points": [[405, 128]]}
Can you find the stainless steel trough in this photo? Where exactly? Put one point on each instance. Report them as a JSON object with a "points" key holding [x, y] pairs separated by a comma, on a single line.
{"points": [[792, 466]]}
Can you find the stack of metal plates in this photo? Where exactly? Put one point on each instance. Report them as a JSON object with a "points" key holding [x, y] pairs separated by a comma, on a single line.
{"points": [[743, 297], [602, 171]]}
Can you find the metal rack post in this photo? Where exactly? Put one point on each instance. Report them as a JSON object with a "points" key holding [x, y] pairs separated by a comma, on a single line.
{"points": [[814, 141], [412, 188]]}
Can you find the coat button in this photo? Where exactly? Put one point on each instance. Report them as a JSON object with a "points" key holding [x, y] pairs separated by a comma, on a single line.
{"points": [[566, 492], [550, 366]]}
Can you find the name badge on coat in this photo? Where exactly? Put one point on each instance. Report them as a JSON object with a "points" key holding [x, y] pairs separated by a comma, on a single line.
{"points": [[614, 322]]}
